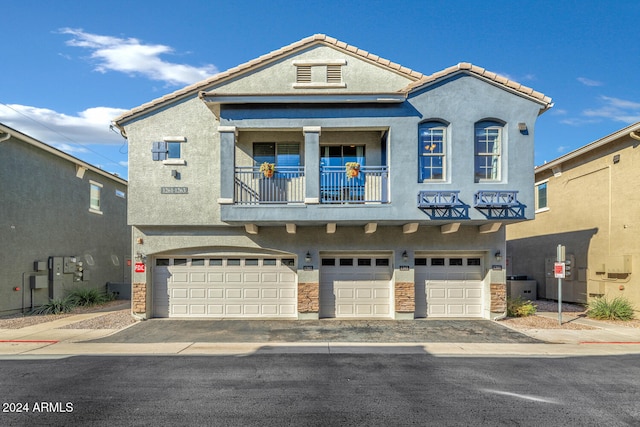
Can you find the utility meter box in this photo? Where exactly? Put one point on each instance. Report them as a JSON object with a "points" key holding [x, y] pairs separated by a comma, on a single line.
{"points": [[38, 282]]}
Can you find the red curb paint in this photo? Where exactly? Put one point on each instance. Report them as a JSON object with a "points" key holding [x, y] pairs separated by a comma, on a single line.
{"points": [[31, 341], [610, 342]]}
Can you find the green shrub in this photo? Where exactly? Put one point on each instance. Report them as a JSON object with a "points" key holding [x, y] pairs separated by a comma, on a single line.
{"points": [[88, 297], [55, 306], [517, 307], [618, 308]]}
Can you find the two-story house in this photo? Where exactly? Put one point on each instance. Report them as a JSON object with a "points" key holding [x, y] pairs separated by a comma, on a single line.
{"points": [[63, 225], [322, 181], [587, 200]]}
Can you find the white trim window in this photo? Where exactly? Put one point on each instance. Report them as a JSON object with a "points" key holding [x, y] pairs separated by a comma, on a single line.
{"points": [[488, 148], [432, 145], [95, 193], [541, 194]]}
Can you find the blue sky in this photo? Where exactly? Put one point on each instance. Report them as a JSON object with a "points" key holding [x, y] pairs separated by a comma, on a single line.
{"points": [[70, 67]]}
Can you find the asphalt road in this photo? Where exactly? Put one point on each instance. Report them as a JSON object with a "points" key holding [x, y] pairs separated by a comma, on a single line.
{"points": [[321, 390]]}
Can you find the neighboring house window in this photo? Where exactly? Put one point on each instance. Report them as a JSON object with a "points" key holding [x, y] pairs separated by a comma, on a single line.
{"points": [[94, 196], [432, 137], [541, 196], [488, 141]]}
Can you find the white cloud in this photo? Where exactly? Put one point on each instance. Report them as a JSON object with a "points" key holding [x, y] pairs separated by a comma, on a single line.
{"points": [[131, 56], [588, 82], [616, 109], [90, 126]]}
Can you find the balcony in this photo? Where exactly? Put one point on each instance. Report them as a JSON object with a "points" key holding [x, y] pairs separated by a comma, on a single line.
{"points": [[368, 186], [288, 186], [252, 187]]}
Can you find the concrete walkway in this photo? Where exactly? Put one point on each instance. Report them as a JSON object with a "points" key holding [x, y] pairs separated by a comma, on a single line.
{"points": [[49, 340]]}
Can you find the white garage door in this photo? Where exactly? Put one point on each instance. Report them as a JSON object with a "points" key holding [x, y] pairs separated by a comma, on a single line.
{"points": [[355, 287], [224, 287], [449, 286]]}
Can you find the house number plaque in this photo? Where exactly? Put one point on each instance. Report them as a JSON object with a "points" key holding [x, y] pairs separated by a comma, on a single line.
{"points": [[174, 190]]}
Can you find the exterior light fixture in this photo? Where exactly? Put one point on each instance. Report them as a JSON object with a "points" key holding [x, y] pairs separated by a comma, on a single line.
{"points": [[307, 257], [498, 256], [522, 127], [405, 256]]}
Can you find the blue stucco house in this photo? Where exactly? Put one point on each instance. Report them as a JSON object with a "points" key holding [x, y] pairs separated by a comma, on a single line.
{"points": [[322, 181]]}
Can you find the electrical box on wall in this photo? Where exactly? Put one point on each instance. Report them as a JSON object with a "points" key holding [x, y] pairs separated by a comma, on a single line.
{"points": [[38, 282], [39, 266], [618, 264], [69, 264]]}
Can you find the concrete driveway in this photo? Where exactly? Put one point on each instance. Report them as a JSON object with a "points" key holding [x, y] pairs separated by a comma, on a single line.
{"points": [[329, 330]]}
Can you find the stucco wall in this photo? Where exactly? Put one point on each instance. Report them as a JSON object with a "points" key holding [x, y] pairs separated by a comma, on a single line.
{"points": [[44, 212], [593, 210]]}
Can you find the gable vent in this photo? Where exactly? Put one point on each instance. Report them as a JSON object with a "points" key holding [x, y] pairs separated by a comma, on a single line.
{"points": [[303, 74], [334, 73]]}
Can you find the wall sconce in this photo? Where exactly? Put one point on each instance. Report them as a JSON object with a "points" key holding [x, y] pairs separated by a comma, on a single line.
{"points": [[498, 256], [522, 127], [141, 257], [405, 256], [307, 257]]}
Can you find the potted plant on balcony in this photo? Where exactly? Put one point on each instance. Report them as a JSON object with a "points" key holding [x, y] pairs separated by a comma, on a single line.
{"points": [[353, 169], [267, 169]]}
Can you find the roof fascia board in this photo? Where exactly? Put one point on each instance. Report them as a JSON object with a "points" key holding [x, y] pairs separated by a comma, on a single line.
{"points": [[303, 98], [589, 147], [45, 147]]}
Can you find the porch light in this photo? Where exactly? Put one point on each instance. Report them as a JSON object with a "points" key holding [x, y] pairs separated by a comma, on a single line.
{"points": [[405, 256], [498, 256], [307, 257]]}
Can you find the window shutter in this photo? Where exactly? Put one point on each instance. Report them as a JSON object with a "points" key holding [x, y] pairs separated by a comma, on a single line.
{"points": [[159, 150]]}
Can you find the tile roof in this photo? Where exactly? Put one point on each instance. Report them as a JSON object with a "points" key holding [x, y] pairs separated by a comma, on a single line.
{"points": [[317, 38], [486, 74], [419, 78], [632, 131]]}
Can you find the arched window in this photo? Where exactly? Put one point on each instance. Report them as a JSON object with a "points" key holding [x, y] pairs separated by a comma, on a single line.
{"points": [[432, 137], [488, 148]]}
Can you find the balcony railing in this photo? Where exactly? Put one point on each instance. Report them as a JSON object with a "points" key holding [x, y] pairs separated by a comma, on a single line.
{"points": [[370, 185], [286, 185]]}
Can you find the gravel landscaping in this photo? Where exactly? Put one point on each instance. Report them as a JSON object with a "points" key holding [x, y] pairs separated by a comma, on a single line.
{"points": [[571, 312], [117, 315]]}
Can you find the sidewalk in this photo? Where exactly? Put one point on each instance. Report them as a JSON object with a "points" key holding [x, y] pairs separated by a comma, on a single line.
{"points": [[48, 340]]}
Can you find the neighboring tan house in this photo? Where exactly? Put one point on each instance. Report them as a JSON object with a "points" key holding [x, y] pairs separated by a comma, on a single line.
{"points": [[322, 181], [63, 224], [589, 201]]}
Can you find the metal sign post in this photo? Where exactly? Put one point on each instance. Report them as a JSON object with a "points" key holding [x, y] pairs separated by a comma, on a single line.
{"points": [[559, 272]]}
